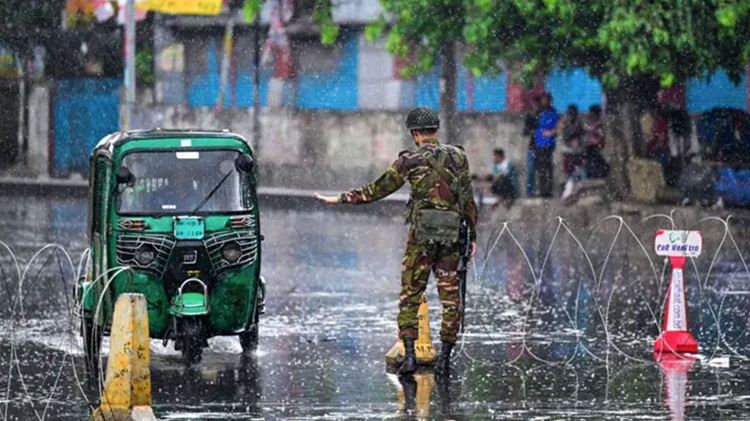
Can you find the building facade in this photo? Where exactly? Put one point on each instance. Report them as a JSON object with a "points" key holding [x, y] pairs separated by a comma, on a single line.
{"points": [[298, 72]]}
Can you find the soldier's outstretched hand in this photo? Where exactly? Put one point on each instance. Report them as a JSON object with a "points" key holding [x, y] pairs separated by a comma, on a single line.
{"points": [[331, 200]]}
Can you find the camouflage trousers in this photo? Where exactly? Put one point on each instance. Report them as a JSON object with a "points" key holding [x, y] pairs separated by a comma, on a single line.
{"points": [[419, 260]]}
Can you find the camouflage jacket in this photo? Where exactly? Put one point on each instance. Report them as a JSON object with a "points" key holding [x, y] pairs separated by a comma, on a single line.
{"points": [[428, 189]]}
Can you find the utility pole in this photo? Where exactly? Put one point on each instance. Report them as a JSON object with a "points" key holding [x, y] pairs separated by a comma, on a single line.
{"points": [[256, 86], [448, 90], [226, 61], [129, 65]]}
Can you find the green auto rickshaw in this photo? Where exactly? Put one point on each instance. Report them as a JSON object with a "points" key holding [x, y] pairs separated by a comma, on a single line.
{"points": [[173, 215]]}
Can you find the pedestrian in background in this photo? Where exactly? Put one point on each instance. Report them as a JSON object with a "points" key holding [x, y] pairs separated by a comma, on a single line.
{"points": [[547, 129], [504, 179], [657, 146], [573, 136], [596, 165], [530, 124]]}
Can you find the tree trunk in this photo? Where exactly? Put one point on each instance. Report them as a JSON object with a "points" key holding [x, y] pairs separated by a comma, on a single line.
{"points": [[625, 106], [448, 91]]}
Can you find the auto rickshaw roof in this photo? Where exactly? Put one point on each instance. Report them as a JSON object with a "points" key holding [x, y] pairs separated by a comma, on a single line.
{"points": [[109, 142]]}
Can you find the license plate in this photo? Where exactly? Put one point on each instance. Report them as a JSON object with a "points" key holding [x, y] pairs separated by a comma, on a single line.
{"points": [[189, 228]]}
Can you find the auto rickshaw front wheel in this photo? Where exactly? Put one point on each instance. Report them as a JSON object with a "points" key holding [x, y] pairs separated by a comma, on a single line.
{"points": [[249, 339], [191, 340]]}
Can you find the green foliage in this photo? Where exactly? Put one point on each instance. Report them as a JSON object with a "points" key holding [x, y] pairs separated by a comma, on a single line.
{"points": [[418, 28], [671, 40], [251, 9], [144, 68], [323, 16]]}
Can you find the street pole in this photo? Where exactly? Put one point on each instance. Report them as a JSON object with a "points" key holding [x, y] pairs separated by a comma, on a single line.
{"points": [[256, 86], [129, 65], [226, 61], [448, 91]]}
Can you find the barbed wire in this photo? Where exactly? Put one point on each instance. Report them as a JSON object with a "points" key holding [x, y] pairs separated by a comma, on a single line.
{"points": [[593, 294]]}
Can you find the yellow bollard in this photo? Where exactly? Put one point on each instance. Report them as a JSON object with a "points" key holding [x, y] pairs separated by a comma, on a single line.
{"points": [[423, 345], [424, 389], [127, 387], [419, 402]]}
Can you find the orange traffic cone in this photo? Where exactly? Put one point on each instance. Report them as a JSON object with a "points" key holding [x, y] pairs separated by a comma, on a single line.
{"points": [[676, 336]]}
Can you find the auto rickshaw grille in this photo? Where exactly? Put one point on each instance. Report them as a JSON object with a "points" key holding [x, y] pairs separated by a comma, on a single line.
{"points": [[128, 244], [247, 241]]}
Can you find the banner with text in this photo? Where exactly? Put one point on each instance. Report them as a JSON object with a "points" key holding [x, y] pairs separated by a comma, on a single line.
{"points": [[181, 7]]}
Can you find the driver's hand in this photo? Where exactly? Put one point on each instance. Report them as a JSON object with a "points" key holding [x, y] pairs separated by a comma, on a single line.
{"points": [[331, 200]]}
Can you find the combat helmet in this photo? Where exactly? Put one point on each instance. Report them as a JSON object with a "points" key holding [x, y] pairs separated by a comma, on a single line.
{"points": [[422, 118]]}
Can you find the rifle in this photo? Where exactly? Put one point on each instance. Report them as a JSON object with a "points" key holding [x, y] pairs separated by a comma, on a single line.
{"points": [[464, 256]]}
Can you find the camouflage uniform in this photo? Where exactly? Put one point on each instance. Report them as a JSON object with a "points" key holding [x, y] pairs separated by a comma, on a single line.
{"points": [[428, 190]]}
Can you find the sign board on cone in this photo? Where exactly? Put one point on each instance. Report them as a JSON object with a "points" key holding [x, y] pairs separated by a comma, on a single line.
{"points": [[678, 243]]}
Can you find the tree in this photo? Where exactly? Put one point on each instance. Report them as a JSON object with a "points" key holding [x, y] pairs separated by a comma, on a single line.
{"points": [[424, 30], [633, 47]]}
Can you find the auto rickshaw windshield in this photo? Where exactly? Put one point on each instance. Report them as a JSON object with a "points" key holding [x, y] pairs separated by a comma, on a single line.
{"points": [[181, 183]]}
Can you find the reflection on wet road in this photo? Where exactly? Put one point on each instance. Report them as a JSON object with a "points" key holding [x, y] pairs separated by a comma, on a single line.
{"points": [[552, 331]]}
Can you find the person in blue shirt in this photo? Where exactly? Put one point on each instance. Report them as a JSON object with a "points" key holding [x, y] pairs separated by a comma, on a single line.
{"points": [[548, 127]]}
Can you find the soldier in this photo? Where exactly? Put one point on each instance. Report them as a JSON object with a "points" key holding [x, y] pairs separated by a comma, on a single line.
{"points": [[441, 199]]}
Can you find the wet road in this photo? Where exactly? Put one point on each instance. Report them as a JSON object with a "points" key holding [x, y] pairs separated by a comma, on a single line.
{"points": [[559, 326]]}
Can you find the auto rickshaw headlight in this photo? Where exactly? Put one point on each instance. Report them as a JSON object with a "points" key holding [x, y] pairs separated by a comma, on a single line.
{"points": [[145, 255], [231, 252]]}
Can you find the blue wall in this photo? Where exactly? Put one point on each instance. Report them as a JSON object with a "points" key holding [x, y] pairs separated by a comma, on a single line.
{"points": [[85, 110], [716, 91], [244, 88], [337, 90], [574, 87], [489, 92], [428, 89], [203, 89]]}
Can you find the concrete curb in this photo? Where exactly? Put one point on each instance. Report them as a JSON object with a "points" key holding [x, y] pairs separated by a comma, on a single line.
{"points": [[44, 186], [268, 197]]}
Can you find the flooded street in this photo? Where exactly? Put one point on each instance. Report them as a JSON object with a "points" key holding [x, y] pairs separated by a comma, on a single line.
{"points": [[560, 325]]}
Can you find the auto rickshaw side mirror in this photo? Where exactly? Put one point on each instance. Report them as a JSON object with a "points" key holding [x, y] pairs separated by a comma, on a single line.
{"points": [[123, 175], [244, 163]]}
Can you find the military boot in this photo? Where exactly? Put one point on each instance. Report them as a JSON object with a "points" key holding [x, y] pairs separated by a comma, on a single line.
{"points": [[443, 362], [409, 366]]}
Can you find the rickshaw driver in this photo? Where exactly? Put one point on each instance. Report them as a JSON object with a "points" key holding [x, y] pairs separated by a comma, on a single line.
{"points": [[179, 195]]}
